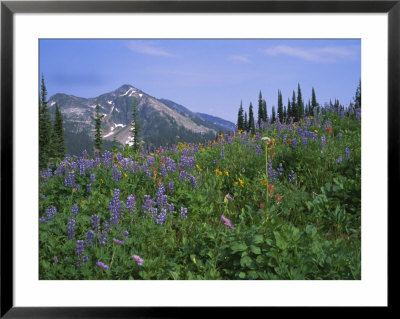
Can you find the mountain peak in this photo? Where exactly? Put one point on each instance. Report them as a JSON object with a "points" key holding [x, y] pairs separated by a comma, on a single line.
{"points": [[125, 89]]}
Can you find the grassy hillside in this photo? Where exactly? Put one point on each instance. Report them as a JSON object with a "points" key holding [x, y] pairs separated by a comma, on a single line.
{"points": [[282, 203]]}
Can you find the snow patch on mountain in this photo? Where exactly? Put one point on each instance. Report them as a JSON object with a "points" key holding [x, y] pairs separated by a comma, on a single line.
{"points": [[129, 90]]}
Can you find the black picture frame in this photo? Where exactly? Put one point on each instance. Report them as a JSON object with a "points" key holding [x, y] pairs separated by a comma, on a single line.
{"points": [[9, 8]]}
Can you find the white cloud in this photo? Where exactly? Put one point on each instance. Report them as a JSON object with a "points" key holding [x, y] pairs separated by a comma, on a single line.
{"points": [[239, 58], [148, 48], [329, 54]]}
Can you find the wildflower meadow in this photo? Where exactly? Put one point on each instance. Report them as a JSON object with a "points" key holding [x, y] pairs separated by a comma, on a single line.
{"points": [[280, 203]]}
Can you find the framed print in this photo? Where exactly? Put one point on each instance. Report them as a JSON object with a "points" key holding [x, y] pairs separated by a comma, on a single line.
{"points": [[196, 154]]}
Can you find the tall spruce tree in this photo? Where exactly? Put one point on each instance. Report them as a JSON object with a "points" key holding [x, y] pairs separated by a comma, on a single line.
{"points": [[246, 122], [252, 126], [280, 106], [294, 107], [289, 109], [135, 128], [98, 139], [240, 121], [45, 128], [300, 103], [58, 141], [265, 112], [314, 103], [284, 113], [260, 114], [273, 114], [357, 98]]}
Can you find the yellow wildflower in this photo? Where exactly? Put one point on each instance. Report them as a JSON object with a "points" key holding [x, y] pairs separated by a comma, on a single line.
{"points": [[198, 167], [101, 180], [241, 182], [194, 260], [125, 175], [315, 131], [226, 173], [83, 202]]}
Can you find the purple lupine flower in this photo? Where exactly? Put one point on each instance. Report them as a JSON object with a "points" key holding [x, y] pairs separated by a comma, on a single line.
{"points": [[131, 203], [183, 212], [294, 142], [82, 166], [171, 207], [115, 207], [280, 169], [117, 241], [259, 150], [193, 179], [150, 160], [160, 219], [125, 233], [163, 171], [227, 222], [222, 155], [95, 221], [42, 219], [89, 238], [271, 172], [88, 188], [323, 142], [292, 176], [305, 140], [85, 153], [75, 209], [43, 196], [71, 228], [70, 180], [56, 259], [346, 153], [137, 259], [103, 238], [171, 187], [170, 164], [102, 265], [93, 178], [116, 174], [80, 249], [339, 160], [51, 212], [227, 196]]}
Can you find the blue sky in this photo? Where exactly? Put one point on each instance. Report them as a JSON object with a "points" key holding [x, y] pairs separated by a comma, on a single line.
{"points": [[209, 76]]}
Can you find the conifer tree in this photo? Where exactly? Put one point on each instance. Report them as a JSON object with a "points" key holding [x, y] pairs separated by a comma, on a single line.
{"points": [[58, 141], [265, 112], [135, 128], [280, 106], [114, 147], [294, 107], [284, 113], [357, 98], [252, 126], [246, 123], [273, 114], [98, 140], [260, 109], [314, 103], [44, 127], [240, 121], [300, 103], [289, 109]]}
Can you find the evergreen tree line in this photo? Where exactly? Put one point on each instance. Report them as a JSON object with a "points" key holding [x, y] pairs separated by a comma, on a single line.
{"points": [[51, 133], [294, 109]]}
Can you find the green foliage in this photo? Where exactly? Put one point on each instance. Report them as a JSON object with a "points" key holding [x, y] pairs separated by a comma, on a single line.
{"points": [[309, 229], [98, 140]]}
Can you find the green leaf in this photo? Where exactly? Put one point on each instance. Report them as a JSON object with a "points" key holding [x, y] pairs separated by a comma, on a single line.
{"points": [[242, 275], [256, 250], [280, 242], [238, 247], [246, 261]]}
